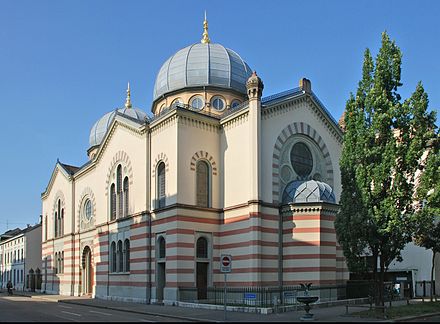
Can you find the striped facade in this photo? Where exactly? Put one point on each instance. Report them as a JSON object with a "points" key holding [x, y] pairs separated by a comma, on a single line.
{"points": [[133, 226]]}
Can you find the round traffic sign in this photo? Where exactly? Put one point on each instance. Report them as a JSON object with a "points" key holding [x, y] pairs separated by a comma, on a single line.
{"points": [[226, 261]]}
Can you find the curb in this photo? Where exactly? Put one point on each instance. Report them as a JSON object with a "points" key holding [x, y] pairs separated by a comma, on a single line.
{"points": [[409, 318], [138, 312]]}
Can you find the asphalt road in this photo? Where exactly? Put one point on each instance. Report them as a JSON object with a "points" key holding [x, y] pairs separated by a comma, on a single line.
{"points": [[25, 309]]}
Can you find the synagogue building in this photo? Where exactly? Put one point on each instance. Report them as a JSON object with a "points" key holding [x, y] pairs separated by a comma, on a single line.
{"points": [[218, 169]]}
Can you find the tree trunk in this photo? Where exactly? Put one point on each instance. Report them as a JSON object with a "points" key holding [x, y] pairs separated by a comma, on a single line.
{"points": [[376, 281], [381, 283], [432, 276]]}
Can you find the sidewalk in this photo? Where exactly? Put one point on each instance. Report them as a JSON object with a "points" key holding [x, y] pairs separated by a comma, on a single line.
{"points": [[322, 314]]}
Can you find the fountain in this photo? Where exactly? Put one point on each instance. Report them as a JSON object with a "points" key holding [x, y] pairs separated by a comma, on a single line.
{"points": [[306, 299]]}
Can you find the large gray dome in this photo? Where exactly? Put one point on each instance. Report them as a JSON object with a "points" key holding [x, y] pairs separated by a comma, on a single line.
{"points": [[100, 128], [200, 65]]}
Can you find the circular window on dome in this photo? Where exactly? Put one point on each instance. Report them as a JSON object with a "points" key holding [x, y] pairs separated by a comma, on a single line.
{"points": [[235, 103], [301, 159], [218, 103], [177, 102], [197, 102], [87, 210]]}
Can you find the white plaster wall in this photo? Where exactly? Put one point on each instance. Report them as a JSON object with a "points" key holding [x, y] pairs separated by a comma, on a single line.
{"points": [[164, 147], [32, 251], [417, 258], [193, 137], [235, 164]]}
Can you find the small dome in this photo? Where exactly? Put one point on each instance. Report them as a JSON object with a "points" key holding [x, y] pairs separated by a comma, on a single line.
{"points": [[308, 191], [202, 64], [99, 129]]}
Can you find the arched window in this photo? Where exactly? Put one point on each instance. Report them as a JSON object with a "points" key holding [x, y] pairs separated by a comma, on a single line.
{"points": [[55, 263], [112, 202], [45, 228], [162, 247], [113, 257], [56, 224], [120, 257], [202, 248], [161, 184], [126, 196], [119, 190], [202, 184], [62, 221], [59, 218], [127, 255], [62, 262], [235, 103]]}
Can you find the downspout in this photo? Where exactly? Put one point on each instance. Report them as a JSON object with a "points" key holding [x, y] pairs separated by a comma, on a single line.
{"points": [[280, 254], [72, 286], [148, 205], [108, 257]]}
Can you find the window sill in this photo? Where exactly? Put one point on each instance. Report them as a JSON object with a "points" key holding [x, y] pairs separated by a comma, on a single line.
{"points": [[118, 273]]}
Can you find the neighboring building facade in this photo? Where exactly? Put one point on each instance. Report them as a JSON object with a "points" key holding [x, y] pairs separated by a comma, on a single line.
{"points": [[217, 170], [20, 258]]}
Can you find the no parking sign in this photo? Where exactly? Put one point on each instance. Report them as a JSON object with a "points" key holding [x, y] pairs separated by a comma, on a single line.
{"points": [[225, 263]]}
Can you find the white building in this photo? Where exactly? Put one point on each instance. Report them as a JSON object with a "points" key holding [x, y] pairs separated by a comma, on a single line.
{"points": [[20, 257]]}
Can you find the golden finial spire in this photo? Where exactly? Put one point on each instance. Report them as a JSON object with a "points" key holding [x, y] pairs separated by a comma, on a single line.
{"points": [[128, 101], [205, 39]]}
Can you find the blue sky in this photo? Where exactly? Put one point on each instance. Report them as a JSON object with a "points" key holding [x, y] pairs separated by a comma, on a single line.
{"points": [[63, 64]]}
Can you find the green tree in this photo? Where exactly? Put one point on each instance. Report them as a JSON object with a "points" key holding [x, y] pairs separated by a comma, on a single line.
{"points": [[427, 233], [383, 142]]}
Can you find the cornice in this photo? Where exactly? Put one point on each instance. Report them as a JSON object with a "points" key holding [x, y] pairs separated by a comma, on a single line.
{"points": [[52, 179], [119, 121]]}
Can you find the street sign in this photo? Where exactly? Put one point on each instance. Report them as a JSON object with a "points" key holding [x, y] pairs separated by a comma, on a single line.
{"points": [[250, 296], [225, 263]]}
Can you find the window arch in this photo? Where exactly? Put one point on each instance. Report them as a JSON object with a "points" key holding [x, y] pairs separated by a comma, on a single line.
{"points": [[218, 103], [177, 102], [56, 224], [55, 262], [120, 266], [127, 255], [113, 257], [197, 102], [161, 184], [119, 190], [62, 221], [161, 248], [202, 248], [112, 202], [202, 184], [235, 103], [126, 196], [45, 228]]}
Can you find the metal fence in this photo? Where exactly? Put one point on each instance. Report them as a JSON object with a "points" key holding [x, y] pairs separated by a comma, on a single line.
{"points": [[423, 288], [267, 296]]}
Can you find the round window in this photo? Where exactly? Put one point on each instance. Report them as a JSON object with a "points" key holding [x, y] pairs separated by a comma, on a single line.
{"points": [[176, 102], [301, 159], [235, 103], [218, 103], [197, 103], [88, 210]]}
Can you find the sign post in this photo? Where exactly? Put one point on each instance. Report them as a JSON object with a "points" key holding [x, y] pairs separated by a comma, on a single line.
{"points": [[225, 267]]}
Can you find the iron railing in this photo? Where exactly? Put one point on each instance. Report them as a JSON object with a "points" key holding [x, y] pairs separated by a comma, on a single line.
{"points": [[267, 296]]}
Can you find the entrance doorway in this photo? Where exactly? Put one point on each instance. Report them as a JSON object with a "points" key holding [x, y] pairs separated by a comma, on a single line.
{"points": [[160, 280], [87, 271], [202, 280]]}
